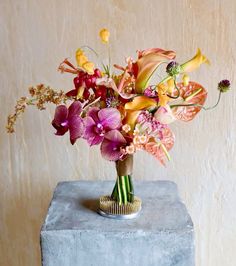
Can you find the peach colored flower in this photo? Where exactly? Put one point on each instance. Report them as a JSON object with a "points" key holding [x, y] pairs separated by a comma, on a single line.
{"points": [[126, 128]]}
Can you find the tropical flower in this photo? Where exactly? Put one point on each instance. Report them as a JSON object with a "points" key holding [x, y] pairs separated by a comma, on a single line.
{"points": [[104, 35], [111, 147], [224, 85], [195, 62], [140, 103], [162, 96], [68, 119], [148, 62], [185, 79], [164, 115], [100, 121], [83, 62]]}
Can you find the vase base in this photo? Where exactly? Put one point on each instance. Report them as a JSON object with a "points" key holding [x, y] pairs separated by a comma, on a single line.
{"points": [[111, 209]]}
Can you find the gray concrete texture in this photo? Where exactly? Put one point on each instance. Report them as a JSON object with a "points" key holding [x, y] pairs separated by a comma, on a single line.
{"points": [[73, 233]]}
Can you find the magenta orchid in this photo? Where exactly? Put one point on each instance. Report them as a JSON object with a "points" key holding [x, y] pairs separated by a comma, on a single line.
{"points": [[100, 121], [69, 119], [111, 147]]}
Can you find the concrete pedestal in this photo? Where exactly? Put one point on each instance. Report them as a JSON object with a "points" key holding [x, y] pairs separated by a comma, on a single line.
{"points": [[74, 234]]}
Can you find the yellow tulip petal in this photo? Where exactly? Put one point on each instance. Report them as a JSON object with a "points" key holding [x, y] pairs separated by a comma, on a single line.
{"points": [[140, 103]]}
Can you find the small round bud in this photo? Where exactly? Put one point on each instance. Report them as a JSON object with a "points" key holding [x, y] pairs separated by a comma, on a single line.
{"points": [[224, 85], [173, 68]]}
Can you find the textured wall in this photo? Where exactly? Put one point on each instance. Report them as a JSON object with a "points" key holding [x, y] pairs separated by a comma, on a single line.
{"points": [[36, 35]]}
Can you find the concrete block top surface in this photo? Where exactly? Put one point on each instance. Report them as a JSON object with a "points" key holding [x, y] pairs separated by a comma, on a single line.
{"points": [[75, 203]]}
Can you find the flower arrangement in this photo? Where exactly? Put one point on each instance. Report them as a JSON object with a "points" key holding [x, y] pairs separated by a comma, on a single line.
{"points": [[124, 112]]}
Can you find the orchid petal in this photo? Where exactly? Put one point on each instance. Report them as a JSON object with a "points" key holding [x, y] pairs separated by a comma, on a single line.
{"points": [[60, 116], [75, 109], [76, 128], [89, 128], [61, 130], [110, 118], [93, 113], [95, 140], [111, 145]]}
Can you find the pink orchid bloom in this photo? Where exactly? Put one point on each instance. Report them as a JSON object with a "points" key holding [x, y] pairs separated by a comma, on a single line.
{"points": [[99, 122], [164, 115], [111, 147], [69, 119]]}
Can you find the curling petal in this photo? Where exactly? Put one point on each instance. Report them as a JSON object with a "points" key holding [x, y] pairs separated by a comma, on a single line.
{"points": [[140, 103]]}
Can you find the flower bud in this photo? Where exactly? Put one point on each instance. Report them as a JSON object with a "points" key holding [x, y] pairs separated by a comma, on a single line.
{"points": [[224, 85], [173, 68], [104, 35]]}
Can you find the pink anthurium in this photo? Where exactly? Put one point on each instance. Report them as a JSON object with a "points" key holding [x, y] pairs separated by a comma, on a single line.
{"points": [[194, 96], [164, 115]]}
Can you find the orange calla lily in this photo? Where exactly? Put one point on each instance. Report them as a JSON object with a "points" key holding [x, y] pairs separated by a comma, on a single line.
{"points": [[195, 62], [130, 118], [148, 63], [140, 103]]}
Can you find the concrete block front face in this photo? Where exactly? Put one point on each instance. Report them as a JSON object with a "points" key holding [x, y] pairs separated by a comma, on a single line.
{"points": [[74, 234]]}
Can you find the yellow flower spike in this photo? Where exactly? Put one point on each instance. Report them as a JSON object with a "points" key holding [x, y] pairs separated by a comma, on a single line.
{"points": [[104, 35], [163, 98], [170, 85], [195, 62], [80, 57], [185, 79], [88, 67]]}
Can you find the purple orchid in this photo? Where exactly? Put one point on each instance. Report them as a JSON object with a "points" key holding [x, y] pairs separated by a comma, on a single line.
{"points": [[111, 147], [99, 122], [69, 119]]}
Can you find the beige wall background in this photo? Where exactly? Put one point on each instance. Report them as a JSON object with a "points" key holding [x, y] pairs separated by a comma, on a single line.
{"points": [[35, 36]]}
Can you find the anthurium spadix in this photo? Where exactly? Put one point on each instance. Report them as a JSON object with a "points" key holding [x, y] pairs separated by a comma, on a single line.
{"points": [[148, 63]]}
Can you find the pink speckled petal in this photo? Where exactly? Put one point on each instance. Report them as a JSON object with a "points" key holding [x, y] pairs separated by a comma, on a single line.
{"points": [[187, 113]]}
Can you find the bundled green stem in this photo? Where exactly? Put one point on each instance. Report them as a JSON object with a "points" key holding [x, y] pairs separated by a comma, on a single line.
{"points": [[123, 191]]}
